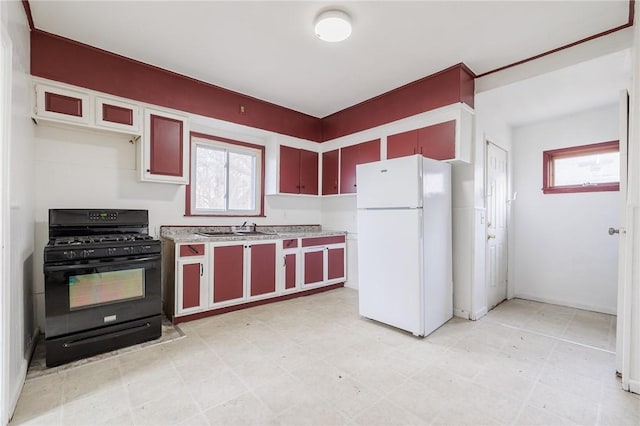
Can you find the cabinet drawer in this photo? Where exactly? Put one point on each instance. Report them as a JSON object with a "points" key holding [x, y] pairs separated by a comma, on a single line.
{"points": [[292, 243], [321, 241], [191, 250]]}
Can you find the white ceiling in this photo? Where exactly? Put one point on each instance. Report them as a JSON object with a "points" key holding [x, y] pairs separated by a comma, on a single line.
{"points": [[580, 87], [267, 49]]}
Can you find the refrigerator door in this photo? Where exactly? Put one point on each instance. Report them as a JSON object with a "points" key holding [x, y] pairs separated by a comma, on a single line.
{"points": [[395, 183], [390, 269]]}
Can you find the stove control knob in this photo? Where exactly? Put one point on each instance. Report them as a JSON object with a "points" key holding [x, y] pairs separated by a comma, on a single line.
{"points": [[71, 254], [111, 251], [86, 253]]}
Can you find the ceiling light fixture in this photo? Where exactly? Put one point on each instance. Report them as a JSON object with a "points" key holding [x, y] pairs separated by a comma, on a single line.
{"points": [[333, 25]]}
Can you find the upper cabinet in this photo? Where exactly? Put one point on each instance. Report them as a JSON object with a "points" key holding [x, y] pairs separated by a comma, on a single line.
{"points": [[164, 148], [59, 104], [298, 171], [437, 142], [449, 140], [350, 157], [84, 108], [330, 166], [117, 115]]}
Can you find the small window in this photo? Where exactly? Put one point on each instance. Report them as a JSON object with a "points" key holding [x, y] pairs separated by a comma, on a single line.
{"points": [[226, 178], [587, 168]]}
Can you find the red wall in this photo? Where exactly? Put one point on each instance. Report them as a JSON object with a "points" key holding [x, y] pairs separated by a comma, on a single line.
{"points": [[450, 86], [60, 59]]}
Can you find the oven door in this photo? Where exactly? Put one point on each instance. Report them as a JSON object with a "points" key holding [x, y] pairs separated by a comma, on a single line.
{"points": [[85, 295]]}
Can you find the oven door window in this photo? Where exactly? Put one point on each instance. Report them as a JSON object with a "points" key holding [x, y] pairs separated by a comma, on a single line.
{"points": [[105, 287]]}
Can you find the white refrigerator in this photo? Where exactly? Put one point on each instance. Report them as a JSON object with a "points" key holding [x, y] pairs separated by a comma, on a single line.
{"points": [[404, 243]]}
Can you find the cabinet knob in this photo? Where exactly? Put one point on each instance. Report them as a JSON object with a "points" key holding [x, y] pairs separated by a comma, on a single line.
{"points": [[148, 170]]}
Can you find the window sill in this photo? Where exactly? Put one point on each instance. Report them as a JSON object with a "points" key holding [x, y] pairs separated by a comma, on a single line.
{"points": [[581, 188]]}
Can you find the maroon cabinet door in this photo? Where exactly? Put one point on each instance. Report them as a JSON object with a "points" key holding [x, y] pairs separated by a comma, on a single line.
{"points": [[62, 104], [313, 267], [290, 271], [308, 172], [263, 269], [117, 114], [402, 144], [228, 264], [330, 172], [166, 146], [289, 170], [438, 141], [335, 263], [348, 161], [191, 285], [351, 156]]}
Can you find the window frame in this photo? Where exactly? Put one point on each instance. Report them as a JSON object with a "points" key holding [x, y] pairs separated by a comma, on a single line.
{"points": [[220, 142], [548, 158]]}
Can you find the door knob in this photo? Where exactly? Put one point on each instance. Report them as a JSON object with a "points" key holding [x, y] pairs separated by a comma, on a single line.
{"points": [[613, 231], [490, 236]]}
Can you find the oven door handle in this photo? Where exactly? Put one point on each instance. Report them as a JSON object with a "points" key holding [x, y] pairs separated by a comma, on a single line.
{"points": [[76, 266], [86, 340]]}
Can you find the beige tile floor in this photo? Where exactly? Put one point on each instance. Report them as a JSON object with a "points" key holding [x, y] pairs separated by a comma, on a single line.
{"points": [[313, 360]]}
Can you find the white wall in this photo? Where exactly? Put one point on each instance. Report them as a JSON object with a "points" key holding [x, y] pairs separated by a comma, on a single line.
{"points": [[21, 202], [562, 251]]}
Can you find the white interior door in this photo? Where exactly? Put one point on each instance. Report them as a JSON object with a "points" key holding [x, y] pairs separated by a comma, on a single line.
{"points": [[496, 269]]}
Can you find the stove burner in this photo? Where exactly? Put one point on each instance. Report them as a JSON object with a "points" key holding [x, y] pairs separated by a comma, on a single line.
{"points": [[96, 239]]}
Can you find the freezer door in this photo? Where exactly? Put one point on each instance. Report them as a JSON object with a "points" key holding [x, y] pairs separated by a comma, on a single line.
{"points": [[390, 183], [389, 267]]}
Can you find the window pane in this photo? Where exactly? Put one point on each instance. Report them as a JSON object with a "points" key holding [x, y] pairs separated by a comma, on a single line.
{"points": [[210, 181], [587, 169], [241, 181]]}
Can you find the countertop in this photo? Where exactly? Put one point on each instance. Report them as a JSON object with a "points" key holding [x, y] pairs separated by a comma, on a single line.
{"points": [[185, 234]]}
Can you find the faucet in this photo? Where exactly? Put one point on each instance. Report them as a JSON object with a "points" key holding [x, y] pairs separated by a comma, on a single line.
{"points": [[254, 227]]}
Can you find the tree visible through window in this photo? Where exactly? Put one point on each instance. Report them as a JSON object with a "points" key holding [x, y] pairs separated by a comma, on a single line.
{"points": [[225, 178], [586, 168]]}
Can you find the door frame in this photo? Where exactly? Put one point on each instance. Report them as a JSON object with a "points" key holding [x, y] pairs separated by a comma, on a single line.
{"points": [[6, 400], [625, 248], [508, 289]]}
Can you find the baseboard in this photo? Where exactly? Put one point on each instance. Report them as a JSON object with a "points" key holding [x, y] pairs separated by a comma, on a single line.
{"points": [[479, 313], [585, 307], [460, 313], [634, 386]]}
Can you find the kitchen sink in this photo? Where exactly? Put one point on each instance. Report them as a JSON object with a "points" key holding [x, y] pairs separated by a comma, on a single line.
{"points": [[254, 233], [233, 233], [217, 234]]}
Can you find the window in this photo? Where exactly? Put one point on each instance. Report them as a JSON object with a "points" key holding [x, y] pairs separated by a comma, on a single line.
{"points": [[587, 168], [226, 177]]}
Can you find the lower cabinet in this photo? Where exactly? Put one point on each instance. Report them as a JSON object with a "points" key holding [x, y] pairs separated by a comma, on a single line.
{"points": [[324, 260], [215, 275], [227, 283], [191, 279], [261, 272]]}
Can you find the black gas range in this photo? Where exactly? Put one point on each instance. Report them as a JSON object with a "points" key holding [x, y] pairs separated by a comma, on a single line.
{"points": [[102, 282]]}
